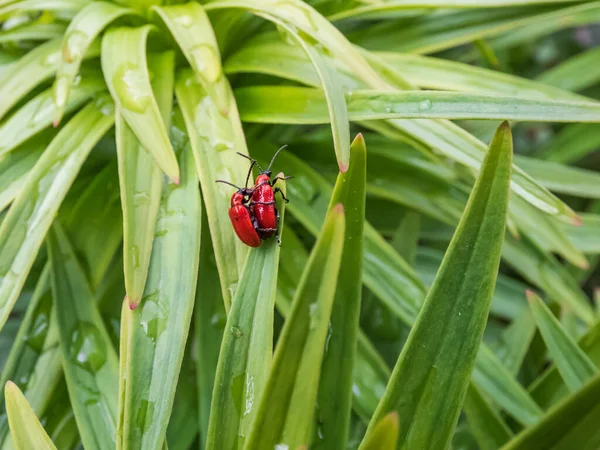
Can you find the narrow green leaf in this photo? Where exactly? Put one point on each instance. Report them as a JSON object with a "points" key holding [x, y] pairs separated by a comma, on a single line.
{"points": [[384, 435], [406, 239], [572, 423], [561, 178], [24, 6], [572, 363], [214, 138], [183, 423], [286, 409], [33, 32], [89, 361], [194, 34], [301, 105], [140, 181], [125, 70], [34, 360], [82, 30], [14, 168], [572, 143], [334, 397], [38, 113], [153, 342], [515, 341], [576, 73], [26, 429], [59, 420], [587, 236], [487, 426], [32, 212], [247, 347], [209, 323], [431, 377]]}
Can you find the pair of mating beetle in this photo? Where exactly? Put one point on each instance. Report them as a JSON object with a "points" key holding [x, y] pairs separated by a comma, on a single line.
{"points": [[252, 210]]}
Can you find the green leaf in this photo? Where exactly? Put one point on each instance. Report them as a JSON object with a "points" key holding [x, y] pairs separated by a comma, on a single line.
{"points": [[301, 105], [587, 236], [576, 73], [32, 212], [213, 138], [126, 73], [24, 6], [37, 114], [334, 398], [26, 429], [406, 239], [14, 169], [154, 336], [563, 179], [572, 423], [209, 322], [572, 363], [286, 409], [487, 425], [515, 341], [384, 435], [431, 377], [34, 32], [572, 143], [34, 362], [194, 34], [183, 423], [89, 361], [82, 30], [247, 347], [141, 182]]}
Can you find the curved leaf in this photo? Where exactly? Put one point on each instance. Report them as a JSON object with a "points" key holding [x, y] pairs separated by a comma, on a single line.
{"points": [[32, 212], [384, 435], [140, 181], [487, 425], [286, 409], [126, 73], [14, 169], [431, 376], [247, 347], [82, 30], [34, 31], [25, 427]]}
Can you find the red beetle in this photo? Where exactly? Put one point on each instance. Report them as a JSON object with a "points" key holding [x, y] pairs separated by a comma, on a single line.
{"points": [[262, 204], [242, 219]]}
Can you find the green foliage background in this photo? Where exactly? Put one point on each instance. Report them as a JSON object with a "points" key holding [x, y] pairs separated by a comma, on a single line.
{"points": [[432, 290]]}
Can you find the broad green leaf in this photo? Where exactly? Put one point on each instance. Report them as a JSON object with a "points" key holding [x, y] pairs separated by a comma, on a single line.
{"points": [[572, 423], [300, 105], [561, 178], [82, 30], [209, 323], [487, 425], [38, 113], [125, 70], [153, 342], [384, 435], [183, 423], [194, 34], [14, 169], [215, 139], [431, 376], [24, 6], [89, 361], [572, 143], [587, 236], [286, 409], [34, 31], [572, 363], [26, 429], [247, 347], [334, 397], [34, 360], [515, 340], [32, 212], [441, 136], [140, 181], [576, 73], [406, 238]]}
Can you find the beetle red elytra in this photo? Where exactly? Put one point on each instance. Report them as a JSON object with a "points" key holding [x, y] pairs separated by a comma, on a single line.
{"points": [[252, 210]]}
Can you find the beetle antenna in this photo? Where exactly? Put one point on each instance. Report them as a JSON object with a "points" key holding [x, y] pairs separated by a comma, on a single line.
{"points": [[230, 184], [250, 159], [250, 171], [275, 156]]}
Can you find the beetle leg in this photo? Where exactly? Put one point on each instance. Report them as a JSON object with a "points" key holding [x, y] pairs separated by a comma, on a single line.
{"points": [[281, 178], [282, 194]]}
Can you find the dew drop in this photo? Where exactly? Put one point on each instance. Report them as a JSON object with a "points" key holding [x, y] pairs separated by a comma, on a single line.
{"points": [[87, 348], [76, 43], [236, 332], [425, 105], [184, 21], [154, 317], [140, 198], [50, 60], [132, 87], [206, 61], [36, 335], [61, 90]]}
